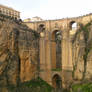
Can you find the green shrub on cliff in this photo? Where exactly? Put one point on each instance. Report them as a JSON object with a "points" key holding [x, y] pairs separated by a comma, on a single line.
{"points": [[38, 85], [35, 85], [85, 87]]}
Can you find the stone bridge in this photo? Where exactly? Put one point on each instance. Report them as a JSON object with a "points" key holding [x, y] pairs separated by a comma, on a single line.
{"points": [[56, 47]]}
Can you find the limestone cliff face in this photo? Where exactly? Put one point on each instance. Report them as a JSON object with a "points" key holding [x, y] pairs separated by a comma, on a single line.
{"points": [[82, 52], [18, 53]]}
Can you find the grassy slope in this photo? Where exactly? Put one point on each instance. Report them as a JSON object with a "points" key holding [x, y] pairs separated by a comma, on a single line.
{"points": [[36, 85]]}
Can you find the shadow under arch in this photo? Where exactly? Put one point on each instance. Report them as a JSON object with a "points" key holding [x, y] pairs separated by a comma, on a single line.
{"points": [[56, 81]]}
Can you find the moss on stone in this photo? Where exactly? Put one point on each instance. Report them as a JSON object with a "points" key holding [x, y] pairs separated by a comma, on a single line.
{"points": [[57, 69]]}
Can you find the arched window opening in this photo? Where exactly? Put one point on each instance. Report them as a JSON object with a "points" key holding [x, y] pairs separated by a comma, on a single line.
{"points": [[41, 27], [56, 36], [73, 25], [56, 81]]}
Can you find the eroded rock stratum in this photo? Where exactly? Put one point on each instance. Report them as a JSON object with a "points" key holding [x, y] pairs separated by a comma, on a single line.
{"points": [[18, 53]]}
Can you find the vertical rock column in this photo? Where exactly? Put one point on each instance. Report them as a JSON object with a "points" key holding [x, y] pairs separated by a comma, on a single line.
{"points": [[13, 60]]}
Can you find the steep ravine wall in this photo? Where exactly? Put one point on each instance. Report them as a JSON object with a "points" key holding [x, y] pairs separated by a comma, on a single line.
{"points": [[82, 52], [82, 59]]}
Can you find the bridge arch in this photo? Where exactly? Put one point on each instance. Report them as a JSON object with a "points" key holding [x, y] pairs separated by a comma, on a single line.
{"points": [[41, 28], [53, 29], [56, 49], [56, 33], [56, 81], [41, 25], [73, 25]]}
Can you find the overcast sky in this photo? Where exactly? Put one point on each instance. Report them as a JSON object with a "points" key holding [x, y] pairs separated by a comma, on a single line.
{"points": [[50, 9]]}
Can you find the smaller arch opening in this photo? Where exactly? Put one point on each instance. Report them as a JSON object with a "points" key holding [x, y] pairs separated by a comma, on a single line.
{"points": [[41, 27], [56, 35], [73, 25], [56, 81]]}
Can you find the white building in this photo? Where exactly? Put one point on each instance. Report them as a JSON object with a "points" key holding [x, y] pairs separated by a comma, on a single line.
{"points": [[9, 11], [33, 19]]}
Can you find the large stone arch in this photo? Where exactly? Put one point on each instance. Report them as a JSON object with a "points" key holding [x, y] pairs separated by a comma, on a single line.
{"points": [[56, 49]]}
